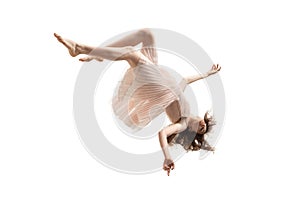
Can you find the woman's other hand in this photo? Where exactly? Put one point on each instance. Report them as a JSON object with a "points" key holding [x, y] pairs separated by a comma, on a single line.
{"points": [[168, 165]]}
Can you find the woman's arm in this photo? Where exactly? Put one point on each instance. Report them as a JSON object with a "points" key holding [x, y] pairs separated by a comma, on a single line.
{"points": [[163, 134], [214, 69]]}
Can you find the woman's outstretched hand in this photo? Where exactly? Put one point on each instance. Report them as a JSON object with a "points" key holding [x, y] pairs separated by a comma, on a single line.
{"points": [[214, 69], [168, 165]]}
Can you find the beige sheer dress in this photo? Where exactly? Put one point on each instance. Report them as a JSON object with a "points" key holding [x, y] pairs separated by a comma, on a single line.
{"points": [[145, 92]]}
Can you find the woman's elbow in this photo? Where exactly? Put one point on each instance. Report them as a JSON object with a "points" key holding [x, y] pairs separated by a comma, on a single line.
{"points": [[162, 134], [162, 137]]}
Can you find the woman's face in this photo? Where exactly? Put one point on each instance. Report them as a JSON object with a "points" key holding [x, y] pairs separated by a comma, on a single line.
{"points": [[202, 127], [198, 125]]}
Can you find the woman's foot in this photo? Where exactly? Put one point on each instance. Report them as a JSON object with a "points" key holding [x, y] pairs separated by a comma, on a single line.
{"points": [[72, 46], [89, 58]]}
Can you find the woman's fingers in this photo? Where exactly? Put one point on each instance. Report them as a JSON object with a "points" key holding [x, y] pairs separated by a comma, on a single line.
{"points": [[172, 166], [166, 167], [215, 68]]}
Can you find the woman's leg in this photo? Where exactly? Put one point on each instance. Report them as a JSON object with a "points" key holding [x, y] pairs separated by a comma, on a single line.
{"points": [[143, 36], [110, 53]]}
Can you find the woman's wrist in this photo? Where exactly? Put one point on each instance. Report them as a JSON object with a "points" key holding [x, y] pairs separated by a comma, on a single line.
{"points": [[166, 152]]}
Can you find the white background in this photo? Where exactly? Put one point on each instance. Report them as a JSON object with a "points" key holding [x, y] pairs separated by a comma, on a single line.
{"points": [[257, 44]]}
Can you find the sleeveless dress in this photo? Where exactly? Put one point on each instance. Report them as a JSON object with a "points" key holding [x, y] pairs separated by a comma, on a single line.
{"points": [[145, 92]]}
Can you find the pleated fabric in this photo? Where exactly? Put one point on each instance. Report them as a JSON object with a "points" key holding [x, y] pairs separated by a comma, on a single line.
{"points": [[144, 93]]}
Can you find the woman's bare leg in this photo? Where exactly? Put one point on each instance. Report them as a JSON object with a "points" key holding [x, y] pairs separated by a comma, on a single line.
{"points": [[143, 36], [110, 53], [75, 49]]}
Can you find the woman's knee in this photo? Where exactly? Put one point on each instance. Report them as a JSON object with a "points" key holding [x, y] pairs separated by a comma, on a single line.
{"points": [[145, 33]]}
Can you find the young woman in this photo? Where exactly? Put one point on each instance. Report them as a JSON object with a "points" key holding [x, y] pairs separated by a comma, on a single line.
{"points": [[147, 90]]}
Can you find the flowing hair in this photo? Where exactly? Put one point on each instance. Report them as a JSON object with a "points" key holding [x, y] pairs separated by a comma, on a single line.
{"points": [[191, 140]]}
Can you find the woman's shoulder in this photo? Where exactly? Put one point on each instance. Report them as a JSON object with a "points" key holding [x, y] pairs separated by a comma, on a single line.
{"points": [[183, 122]]}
